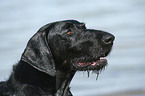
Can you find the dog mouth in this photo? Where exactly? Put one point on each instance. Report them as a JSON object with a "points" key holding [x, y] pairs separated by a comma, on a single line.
{"points": [[93, 64], [97, 62]]}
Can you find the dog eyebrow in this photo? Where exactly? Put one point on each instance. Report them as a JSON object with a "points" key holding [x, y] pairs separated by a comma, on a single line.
{"points": [[69, 24], [83, 26]]}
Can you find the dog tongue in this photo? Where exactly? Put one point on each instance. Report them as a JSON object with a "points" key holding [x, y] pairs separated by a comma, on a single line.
{"points": [[94, 63], [102, 58], [84, 64]]}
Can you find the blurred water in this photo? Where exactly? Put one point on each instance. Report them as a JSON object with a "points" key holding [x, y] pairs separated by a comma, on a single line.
{"points": [[19, 20]]}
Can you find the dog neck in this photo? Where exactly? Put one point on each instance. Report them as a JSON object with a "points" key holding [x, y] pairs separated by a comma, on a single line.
{"points": [[28, 75], [63, 80], [58, 85]]}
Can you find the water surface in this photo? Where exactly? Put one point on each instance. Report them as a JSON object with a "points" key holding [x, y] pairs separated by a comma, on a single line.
{"points": [[19, 20]]}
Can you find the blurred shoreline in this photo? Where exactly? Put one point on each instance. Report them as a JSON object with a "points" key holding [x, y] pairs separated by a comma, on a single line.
{"points": [[127, 93]]}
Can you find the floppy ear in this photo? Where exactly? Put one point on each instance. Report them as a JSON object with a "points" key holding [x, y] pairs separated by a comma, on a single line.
{"points": [[37, 52]]}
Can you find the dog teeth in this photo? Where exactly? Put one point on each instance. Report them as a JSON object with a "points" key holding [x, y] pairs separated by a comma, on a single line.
{"points": [[94, 63], [102, 58]]}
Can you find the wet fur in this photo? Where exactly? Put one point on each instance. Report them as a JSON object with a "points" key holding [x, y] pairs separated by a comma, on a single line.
{"points": [[50, 59]]}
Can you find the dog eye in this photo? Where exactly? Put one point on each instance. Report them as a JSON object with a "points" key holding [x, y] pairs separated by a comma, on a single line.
{"points": [[68, 31]]}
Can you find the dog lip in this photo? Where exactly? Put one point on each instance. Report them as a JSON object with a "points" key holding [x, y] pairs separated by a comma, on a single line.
{"points": [[85, 63]]}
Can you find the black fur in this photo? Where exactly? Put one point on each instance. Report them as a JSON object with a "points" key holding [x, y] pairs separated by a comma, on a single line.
{"points": [[52, 57]]}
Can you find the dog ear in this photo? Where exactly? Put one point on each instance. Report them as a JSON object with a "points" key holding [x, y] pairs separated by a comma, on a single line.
{"points": [[37, 52]]}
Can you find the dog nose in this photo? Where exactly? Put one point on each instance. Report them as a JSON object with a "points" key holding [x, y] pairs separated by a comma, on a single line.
{"points": [[108, 38]]}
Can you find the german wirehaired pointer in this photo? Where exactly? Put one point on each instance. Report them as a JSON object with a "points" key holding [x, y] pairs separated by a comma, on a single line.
{"points": [[52, 57]]}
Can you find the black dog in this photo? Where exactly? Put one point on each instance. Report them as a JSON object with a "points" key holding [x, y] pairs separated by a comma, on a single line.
{"points": [[52, 57]]}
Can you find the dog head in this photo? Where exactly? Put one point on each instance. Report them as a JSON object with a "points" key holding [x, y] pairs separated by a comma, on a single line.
{"points": [[68, 45], [91, 49]]}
